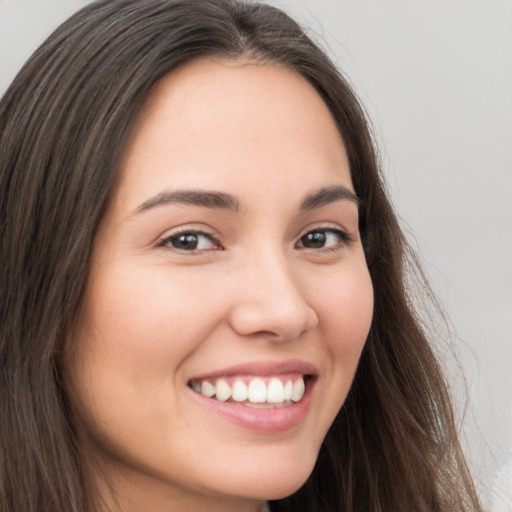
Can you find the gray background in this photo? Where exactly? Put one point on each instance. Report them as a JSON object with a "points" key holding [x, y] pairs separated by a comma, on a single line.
{"points": [[436, 78]]}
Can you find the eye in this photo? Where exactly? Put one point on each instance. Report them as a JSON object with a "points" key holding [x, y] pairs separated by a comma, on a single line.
{"points": [[191, 241], [325, 238]]}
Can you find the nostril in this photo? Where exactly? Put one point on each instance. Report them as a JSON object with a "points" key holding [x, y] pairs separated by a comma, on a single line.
{"points": [[272, 319], [269, 300]]}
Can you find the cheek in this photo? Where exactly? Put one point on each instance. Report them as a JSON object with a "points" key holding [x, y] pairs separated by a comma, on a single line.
{"points": [[137, 331], [148, 319], [347, 308], [346, 316]]}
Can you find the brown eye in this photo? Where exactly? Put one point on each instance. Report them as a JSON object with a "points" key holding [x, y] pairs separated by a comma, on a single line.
{"points": [[191, 241], [323, 239], [314, 239]]}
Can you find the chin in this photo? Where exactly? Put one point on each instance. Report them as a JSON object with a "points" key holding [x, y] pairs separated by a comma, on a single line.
{"points": [[271, 481]]}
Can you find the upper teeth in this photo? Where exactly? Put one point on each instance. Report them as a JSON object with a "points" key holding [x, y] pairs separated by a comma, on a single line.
{"points": [[257, 391]]}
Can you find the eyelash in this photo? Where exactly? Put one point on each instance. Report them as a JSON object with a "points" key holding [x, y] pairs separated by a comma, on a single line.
{"points": [[167, 241], [344, 237]]}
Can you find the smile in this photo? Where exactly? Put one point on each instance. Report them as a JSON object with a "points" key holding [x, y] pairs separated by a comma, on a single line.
{"points": [[258, 392], [265, 397]]}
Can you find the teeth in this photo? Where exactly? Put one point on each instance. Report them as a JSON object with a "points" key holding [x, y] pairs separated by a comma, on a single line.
{"points": [[256, 394], [288, 387], [298, 390], [275, 392], [207, 389], [222, 390], [266, 405], [239, 391]]}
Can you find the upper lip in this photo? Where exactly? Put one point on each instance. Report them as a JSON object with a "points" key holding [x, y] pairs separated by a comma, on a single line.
{"points": [[262, 369]]}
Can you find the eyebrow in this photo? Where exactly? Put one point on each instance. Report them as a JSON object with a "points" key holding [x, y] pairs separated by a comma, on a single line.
{"points": [[213, 200], [328, 195], [224, 201]]}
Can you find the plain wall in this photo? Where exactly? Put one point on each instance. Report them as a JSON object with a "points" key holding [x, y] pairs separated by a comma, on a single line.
{"points": [[436, 78]]}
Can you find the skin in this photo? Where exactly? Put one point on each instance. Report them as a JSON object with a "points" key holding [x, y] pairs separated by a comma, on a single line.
{"points": [[156, 316]]}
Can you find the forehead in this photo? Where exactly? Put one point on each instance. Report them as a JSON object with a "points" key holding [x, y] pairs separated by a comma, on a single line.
{"points": [[213, 120]]}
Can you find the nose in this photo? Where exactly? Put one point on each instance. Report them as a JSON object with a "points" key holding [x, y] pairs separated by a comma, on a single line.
{"points": [[270, 302]]}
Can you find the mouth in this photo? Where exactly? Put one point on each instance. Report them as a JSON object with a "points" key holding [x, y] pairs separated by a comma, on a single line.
{"points": [[263, 397], [254, 391]]}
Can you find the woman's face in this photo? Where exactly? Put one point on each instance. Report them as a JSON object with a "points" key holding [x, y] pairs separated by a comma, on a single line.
{"points": [[229, 262]]}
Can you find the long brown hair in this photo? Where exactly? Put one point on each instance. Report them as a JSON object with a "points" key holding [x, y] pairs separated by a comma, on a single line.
{"points": [[63, 125]]}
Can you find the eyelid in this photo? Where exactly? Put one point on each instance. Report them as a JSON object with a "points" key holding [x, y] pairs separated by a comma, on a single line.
{"points": [[325, 226], [162, 240], [346, 237]]}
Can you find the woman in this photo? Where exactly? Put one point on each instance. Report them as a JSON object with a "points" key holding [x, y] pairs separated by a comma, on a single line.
{"points": [[203, 299]]}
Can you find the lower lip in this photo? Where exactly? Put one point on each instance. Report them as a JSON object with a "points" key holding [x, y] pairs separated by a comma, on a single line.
{"points": [[278, 419]]}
